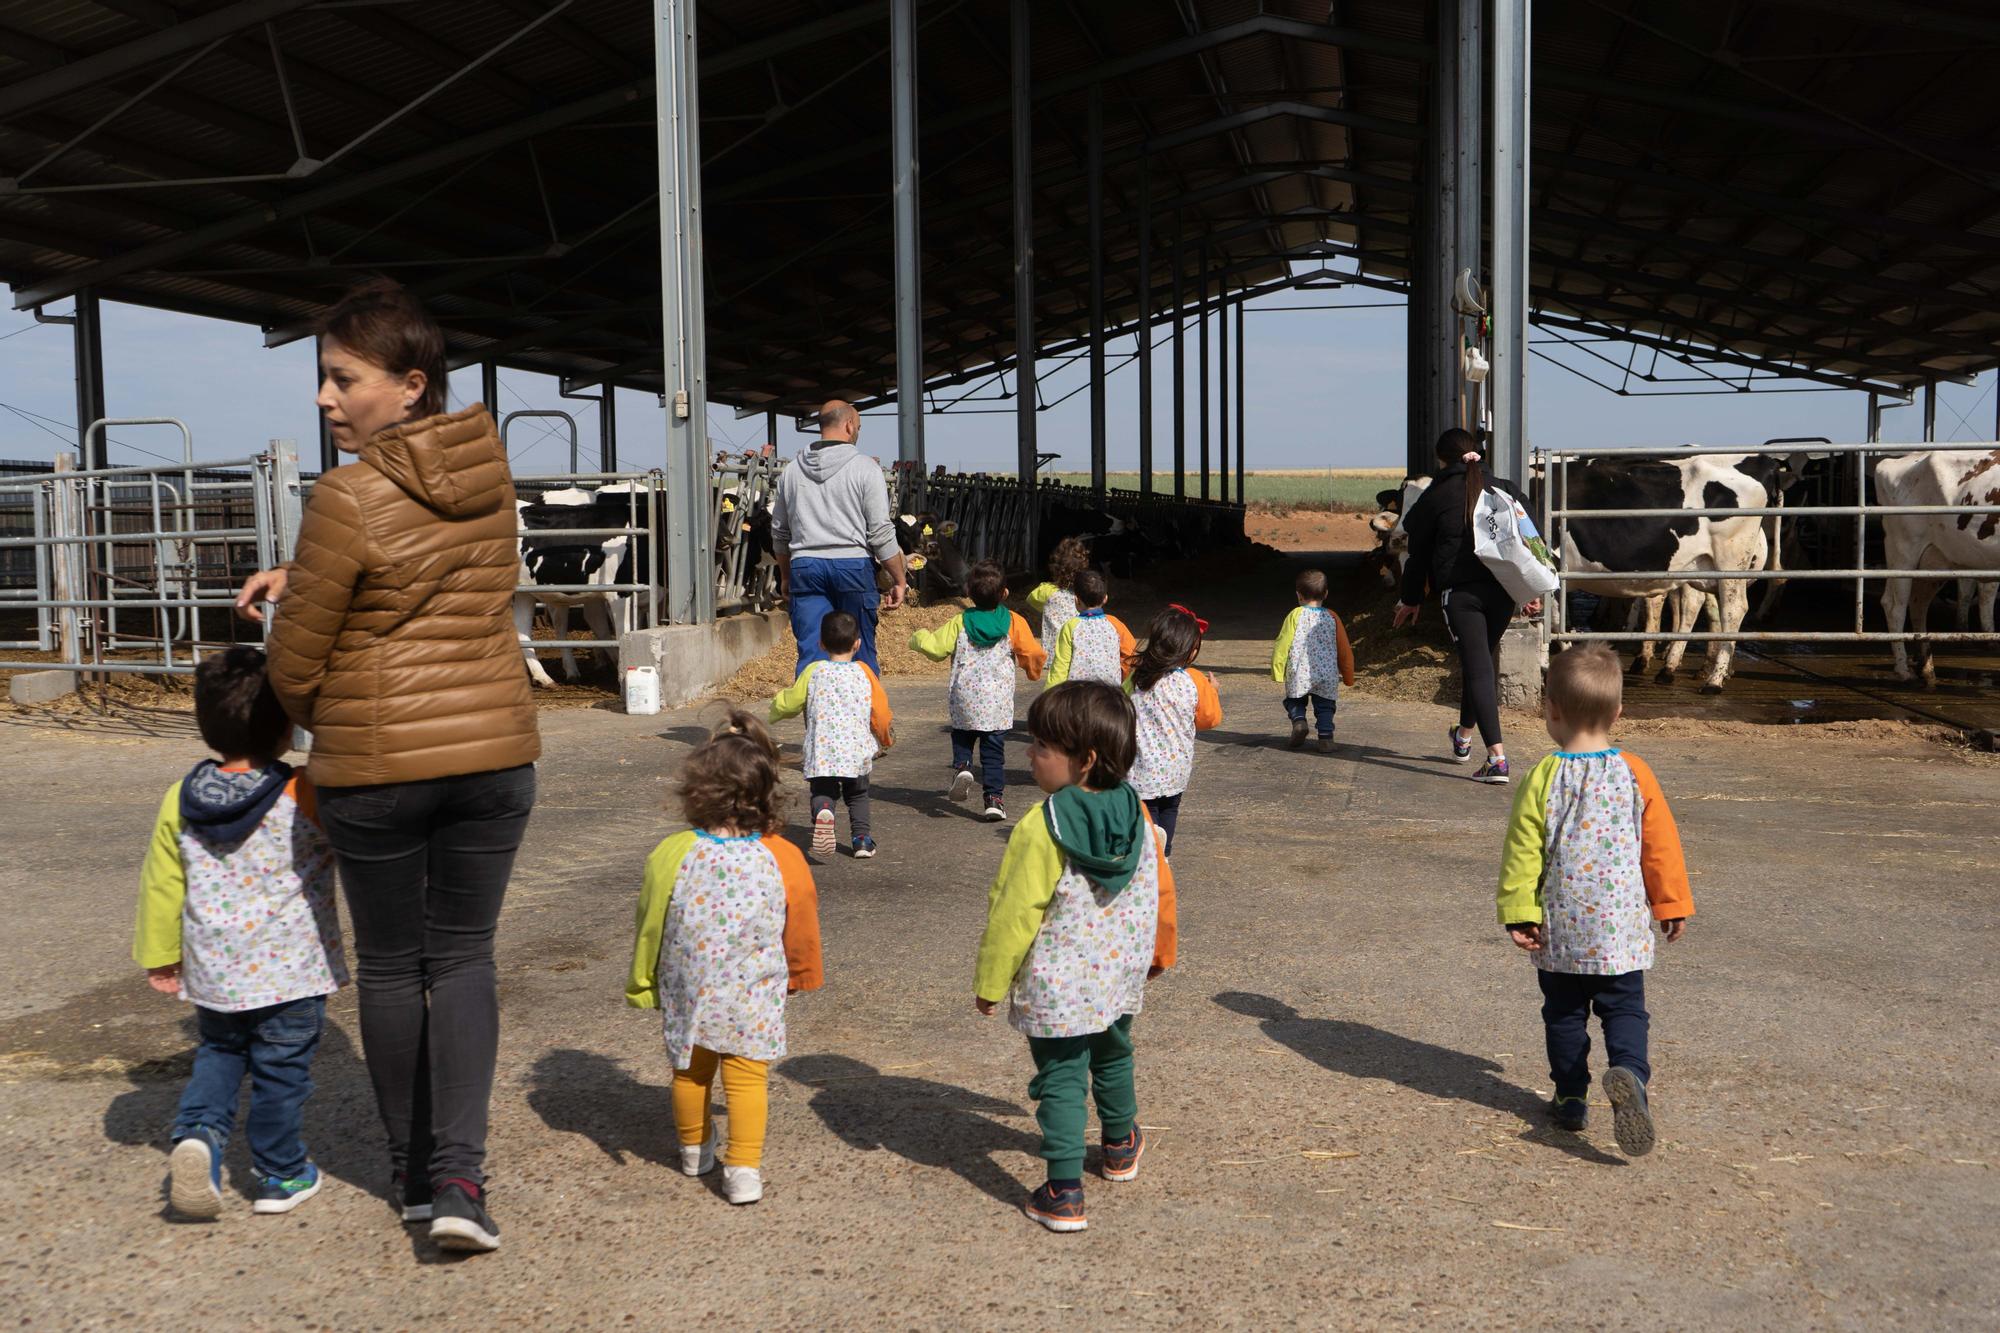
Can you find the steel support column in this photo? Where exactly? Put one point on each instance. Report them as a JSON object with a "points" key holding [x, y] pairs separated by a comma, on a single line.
{"points": [[1242, 355], [690, 531], [87, 336], [1448, 231], [1507, 295], [909, 243], [1222, 382], [1180, 369], [607, 427], [1026, 391], [1201, 356], [1930, 411], [1095, 154], [1873, 433], [1143, 335]]}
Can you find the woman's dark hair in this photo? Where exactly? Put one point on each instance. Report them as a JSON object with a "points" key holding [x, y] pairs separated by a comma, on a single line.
{"points": [[384, 324], [731, 779], [839, 631], [1171, 642], [236, 710], [1079, 716], [1090, 589], [1070, 558], [985, 584], [1454, 445]]}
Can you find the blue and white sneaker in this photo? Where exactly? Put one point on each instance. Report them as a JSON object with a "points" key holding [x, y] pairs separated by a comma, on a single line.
{"points": [[864, 848], [281, 1196], [1493, 771], [194, 1177], [1461, 745]]}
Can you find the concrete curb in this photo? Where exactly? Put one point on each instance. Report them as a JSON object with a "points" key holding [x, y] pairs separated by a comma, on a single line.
{"points": [[40, 687], [694, 659]]}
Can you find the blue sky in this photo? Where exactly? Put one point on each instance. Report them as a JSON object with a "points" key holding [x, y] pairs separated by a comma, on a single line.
{"points": [[1325, 390]]}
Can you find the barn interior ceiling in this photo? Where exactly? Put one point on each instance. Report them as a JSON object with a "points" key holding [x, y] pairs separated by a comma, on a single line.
{"points": [[1809, 186]]}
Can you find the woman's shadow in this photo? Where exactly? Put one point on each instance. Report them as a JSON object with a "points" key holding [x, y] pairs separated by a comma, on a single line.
{"points": [[1361, 1051], [932, 1124]]}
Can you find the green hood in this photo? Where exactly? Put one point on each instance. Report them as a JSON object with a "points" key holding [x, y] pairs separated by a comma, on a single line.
{"points": [[986, 628], [1101, 831]]}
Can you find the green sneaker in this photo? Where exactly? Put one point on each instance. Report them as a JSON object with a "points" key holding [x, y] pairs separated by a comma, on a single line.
{"points": [[281, 1196]]}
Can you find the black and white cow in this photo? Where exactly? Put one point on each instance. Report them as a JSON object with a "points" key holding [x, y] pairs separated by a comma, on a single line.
{"points": [[1943, 542], [560, 559]]}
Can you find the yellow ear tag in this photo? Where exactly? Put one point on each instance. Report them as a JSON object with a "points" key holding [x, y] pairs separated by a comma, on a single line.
{"points": [[927, 529], [914, 561], [728, 505]]}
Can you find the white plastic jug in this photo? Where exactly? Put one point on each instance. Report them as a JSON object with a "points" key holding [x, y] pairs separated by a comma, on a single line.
{"points": [[642, 691]]}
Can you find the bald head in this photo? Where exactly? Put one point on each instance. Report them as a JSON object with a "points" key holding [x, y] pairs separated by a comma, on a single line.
{"points": [[838, 420]]}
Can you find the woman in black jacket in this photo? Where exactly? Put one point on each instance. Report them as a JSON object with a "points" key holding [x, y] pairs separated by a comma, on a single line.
{"points": [[1476, 607]]}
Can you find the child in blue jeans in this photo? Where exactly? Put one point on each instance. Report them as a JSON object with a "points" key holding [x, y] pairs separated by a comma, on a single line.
{"points": [[236, 914]]}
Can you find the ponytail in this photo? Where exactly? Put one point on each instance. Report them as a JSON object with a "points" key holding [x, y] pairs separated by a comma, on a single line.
{"points": [[1171, 643], [1457, 445]]}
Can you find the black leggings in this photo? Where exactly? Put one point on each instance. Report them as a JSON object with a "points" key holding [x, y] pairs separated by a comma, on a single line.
{"points": [[425, 866], [1477, 615]]}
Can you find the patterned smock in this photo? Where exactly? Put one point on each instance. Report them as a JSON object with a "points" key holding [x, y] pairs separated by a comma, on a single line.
{"points": [[1072, 958], [726, 926], [847, 717], [982, 679], [1312, 655], [1592, 853], [251, 922], [1093, 646], [1180, 703], [1058, 611]]}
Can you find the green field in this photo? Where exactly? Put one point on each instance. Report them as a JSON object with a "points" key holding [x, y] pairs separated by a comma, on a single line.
{"points": [[1291, 488]]}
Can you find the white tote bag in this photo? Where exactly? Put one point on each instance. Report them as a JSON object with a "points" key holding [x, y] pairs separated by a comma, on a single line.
{"points": [[1502, 546]]}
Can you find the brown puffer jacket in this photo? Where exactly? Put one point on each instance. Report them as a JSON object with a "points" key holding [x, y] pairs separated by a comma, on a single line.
{"points": [[394, 643]]}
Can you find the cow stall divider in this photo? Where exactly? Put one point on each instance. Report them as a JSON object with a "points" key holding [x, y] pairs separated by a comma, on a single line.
{"points": [[1557, 513]]}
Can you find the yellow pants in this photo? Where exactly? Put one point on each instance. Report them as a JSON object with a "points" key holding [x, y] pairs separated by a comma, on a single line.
{"points": [[743, 1088]]}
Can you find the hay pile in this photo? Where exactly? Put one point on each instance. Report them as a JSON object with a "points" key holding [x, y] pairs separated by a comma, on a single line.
{"points": [[1416, 663], [763, 677]]}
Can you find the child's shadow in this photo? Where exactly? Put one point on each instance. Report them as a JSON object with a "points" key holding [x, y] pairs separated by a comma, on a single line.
{"points": [[926, 1122], [582, 1092], [1361, 1051]]}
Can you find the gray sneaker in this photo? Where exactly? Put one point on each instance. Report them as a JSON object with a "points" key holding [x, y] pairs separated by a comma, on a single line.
{"points": [[1631, 1115]]}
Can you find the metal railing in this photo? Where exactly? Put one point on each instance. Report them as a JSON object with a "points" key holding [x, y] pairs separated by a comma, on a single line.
{"points": [[1557, 513]]}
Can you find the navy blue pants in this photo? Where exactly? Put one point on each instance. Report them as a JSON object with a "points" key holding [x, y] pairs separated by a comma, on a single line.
{"points": [[818, 587], [1295, 709], [274, 1045], [1166, 812], [992, 758], [1620, 1002]]}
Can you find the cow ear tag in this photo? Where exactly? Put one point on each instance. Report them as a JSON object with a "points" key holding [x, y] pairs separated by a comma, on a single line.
{"points": [[914, 561], [927, 529], [950, 528], [728, 505]]}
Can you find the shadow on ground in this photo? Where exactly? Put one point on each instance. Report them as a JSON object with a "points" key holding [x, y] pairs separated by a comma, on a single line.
{"points": [[582, 1092]]}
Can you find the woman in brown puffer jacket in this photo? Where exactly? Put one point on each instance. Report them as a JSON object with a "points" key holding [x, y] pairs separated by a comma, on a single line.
{"points": [[394, 645]]}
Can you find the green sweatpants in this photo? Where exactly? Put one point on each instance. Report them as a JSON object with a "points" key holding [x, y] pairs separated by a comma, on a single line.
{"points": [[1066, 1069]]}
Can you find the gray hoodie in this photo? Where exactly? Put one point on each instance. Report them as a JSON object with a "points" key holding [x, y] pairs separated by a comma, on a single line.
{"points": [[833, 504]]}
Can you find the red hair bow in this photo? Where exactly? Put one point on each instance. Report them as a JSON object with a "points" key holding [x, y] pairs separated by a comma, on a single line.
{"points": [[1199, 623]]}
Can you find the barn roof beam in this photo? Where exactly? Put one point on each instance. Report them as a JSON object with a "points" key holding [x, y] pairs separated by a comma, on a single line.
{"points": [[1903, 16], [1723, 355]]}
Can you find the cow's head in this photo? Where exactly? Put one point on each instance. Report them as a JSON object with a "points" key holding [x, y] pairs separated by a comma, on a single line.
{"points": [[1392, 541]]}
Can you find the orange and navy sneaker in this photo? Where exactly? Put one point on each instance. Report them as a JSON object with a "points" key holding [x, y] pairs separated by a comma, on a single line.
{"points": [[1057, 1209], [1121, 1156]]}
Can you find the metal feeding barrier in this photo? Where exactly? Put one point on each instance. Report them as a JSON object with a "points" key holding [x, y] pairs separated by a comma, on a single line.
{"points": [[1556, 514]]}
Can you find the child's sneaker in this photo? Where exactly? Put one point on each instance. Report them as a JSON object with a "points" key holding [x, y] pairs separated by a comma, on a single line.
{"points": [[459, 1221], [742, 1184], [996, 810], [194, 1177], [822, 844], [1631, 1115], [864, 848], [1298, 740], [413, 1195], [1570, 1113], [961, 786], [1326, 745], [1058, 1210], [281, 1196], [1121, 1156], [1461, 745], [698, 1159], [1493, 771]]}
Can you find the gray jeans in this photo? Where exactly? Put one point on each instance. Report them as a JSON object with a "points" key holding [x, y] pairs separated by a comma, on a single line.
{"points": [[825, 791]]}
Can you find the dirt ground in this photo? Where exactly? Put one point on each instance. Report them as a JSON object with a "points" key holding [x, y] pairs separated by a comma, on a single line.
{"points": [[1288, 529], [1341, 1081]]}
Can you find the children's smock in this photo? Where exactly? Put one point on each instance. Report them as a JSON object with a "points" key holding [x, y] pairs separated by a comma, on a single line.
{"points": [[982, 679], [1180, 703], [1592, 854], [1093, 646], [1312, 655], [1072, 958], [1057, 607], [726, 926], [847, 717], [252, 922]]}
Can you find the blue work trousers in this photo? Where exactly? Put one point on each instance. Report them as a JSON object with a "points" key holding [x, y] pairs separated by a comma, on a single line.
{"points": [[819, 587]]}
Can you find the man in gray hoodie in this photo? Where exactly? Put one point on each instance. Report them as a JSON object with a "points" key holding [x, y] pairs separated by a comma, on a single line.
{"points": [[830, 527]]}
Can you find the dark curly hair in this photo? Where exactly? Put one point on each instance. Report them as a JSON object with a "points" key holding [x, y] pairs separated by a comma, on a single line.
{"points": [[731, 779], [1070, 558]]}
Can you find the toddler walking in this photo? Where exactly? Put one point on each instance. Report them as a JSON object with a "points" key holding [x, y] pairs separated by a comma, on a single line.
{"points": [[847, 719], [984, 645], [1312, 660], [1171, 703], [1591, 860], [1055, 600], [1079, 917], [236, 914], [1094, 645], [728, 927]]}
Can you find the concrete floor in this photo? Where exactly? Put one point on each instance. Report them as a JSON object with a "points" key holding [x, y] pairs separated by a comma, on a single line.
{"points": [[1341, 1079]]}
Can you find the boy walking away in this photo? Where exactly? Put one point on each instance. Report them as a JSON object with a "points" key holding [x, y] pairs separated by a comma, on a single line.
{"points": [[1592, 858], [1312, 660], [1079, 917], [1055, 600], [236, 914], [728, 927], [1172, 702], [984, 645], [1094, 645], [847, 719]]}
